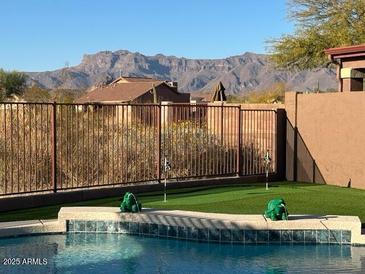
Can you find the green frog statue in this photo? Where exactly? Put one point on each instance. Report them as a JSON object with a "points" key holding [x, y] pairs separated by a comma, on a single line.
{"points": [[276, 210], [130, 203]]}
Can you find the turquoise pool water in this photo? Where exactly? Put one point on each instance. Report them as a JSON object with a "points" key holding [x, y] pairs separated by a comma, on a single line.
{"points": [[117, 253]]}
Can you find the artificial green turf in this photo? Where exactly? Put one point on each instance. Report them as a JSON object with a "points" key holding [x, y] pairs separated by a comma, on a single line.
{"points": [[301, 198]]}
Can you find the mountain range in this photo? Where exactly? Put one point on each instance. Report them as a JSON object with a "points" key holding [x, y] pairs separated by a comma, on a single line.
{"points": [[239, 74]]}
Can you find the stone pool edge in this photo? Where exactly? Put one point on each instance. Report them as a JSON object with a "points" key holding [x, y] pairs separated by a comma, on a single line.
{"points": [[196, 226], [31, 227]]}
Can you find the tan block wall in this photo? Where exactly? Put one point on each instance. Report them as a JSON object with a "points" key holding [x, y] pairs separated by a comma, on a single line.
{"points": [[258, 128], [263, 106], [331, 137], [228, 126]]}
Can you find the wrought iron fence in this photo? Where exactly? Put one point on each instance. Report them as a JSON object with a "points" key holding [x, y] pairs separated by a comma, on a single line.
{"points": [[53, 147]]}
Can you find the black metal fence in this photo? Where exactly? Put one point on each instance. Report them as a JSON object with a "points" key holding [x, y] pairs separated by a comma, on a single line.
{"points": [[53, 147]]}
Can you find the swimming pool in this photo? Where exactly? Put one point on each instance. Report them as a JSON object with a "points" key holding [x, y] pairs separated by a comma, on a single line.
{"points": [[119, 253]]}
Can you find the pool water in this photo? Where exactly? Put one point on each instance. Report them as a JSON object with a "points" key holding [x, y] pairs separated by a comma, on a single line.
{"points": [[117, 253]]}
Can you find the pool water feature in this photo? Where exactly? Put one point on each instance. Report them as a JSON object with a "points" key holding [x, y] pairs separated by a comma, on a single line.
{"points": [[120, 253]]}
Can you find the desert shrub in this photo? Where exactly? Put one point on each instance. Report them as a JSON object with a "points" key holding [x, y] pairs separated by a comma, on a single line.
{"points": [[194, 150], [274, 94], [98, 146], [36, 94], [24, 148]]}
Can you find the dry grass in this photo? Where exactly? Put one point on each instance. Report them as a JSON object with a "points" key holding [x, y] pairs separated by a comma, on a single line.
{"points": [[99, 147]]}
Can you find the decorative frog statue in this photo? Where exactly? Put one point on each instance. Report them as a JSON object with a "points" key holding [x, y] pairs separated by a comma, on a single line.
{"points": [[276, 210], [130, 203]]}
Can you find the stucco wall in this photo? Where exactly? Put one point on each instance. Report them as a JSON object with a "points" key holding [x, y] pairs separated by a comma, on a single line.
{"points": [[330, 141]]}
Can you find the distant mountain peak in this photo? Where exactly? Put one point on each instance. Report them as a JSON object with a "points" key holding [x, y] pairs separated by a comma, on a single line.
{"points": [[239, 74]]}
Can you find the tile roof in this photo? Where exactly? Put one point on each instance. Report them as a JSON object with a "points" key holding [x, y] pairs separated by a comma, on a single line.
{"points": [[119, 92]]}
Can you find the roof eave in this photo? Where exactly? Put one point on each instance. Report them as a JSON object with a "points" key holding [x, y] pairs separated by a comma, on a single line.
{"points": [[345, 52]]}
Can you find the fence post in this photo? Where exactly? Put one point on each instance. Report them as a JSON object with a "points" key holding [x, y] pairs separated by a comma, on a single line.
{"points": [[54, 149], [221, 124], [281, 138], [295, 158], [238, 168], [159, 143]]}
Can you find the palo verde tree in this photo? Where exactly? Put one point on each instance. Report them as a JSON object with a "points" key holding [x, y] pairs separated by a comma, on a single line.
{"points": [[11, 83], [320, 24]]}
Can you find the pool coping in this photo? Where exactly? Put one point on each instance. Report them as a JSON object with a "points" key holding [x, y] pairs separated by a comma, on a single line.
{"points": [[31, 227], [196, 226]]}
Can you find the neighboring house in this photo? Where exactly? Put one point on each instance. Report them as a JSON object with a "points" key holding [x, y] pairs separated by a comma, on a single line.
{"points": [[135, 90], [350, 63]]}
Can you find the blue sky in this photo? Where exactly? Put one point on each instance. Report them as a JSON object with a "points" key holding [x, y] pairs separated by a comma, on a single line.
{"points": [[39, 35]]}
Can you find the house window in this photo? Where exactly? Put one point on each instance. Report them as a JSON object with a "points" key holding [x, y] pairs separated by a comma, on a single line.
{"points": [[356, 78], [357, 84]]}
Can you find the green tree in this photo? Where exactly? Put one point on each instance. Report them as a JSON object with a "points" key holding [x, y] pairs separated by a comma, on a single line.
{"points": [[11, 83], [320, 24]]}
